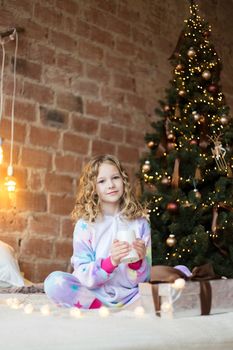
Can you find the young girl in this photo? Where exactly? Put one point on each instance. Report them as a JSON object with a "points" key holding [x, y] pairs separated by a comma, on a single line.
{"points": [[105, 203]]}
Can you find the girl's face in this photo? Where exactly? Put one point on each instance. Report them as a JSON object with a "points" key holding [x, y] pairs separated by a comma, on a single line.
{"points": [[109, 187]]}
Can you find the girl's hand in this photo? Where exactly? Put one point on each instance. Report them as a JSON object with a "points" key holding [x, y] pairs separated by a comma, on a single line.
{"points": [[139, 246], [119, 250]]}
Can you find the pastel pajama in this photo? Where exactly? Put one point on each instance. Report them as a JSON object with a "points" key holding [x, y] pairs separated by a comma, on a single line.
{"points": [[95, 281]]}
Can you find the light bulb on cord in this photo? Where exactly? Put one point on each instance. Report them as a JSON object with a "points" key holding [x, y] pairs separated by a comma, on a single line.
{"points": [[10, 181]]}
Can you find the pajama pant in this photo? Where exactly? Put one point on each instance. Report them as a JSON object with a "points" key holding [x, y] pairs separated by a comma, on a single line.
{"points": [[64, 289]]}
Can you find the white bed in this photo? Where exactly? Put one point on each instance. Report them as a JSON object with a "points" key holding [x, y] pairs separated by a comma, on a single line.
{"points": [[120, 330]]}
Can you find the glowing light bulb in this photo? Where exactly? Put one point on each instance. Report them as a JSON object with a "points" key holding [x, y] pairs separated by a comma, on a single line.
{"points": [[10, 182]]}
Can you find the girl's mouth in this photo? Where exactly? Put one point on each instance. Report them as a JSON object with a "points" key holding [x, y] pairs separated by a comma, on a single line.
{"points": [[113, 192]]}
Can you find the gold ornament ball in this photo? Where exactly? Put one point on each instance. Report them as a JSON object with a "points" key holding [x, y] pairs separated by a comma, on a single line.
{"points": [[197, 194], [151, 144], [196, 116], [202, 119], [206, 74], [166, 108], [182, 93], [224, 120], [146, 166], [179, 67], [165, 180], [191, 52], [170, 136], [171, 241]]}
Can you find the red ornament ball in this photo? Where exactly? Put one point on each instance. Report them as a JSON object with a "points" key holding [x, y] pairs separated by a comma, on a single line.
{"points": [[193, 142], [171, 146], [172, 207], [206, 34], [212, 88]]}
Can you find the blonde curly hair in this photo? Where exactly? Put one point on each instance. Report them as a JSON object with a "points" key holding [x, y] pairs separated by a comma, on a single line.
{"points": [[87, 205]]}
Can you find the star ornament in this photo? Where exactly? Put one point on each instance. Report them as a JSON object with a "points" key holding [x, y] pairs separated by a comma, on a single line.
{"points": [[83, 226]]}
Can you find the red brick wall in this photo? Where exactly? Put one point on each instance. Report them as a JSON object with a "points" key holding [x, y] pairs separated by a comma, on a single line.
{"points": [[89, 74]]}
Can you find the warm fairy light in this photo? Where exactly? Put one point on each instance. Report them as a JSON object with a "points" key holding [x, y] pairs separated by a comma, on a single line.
{"points": [[28, 309], [45, 310], [103, 311], [166, 307], [13, 303], [178, 284], [75, 312], [139, 311]]}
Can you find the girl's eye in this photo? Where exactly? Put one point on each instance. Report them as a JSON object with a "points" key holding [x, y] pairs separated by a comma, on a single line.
{"points": [[100, 181], [116, 177]]}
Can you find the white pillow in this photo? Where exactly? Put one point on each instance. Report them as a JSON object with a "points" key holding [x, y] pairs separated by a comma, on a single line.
{"points": [[9, 268]]}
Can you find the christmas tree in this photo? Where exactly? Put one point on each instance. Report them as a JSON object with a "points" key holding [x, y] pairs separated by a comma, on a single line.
{"points": [[187, 173]]}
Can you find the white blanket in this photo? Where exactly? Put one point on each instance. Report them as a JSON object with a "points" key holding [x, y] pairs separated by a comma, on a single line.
{"points": [[119, 330]]}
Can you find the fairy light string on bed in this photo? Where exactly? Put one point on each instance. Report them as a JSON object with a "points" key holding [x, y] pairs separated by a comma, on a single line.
{"points": [[28, 304], [8, 36]]}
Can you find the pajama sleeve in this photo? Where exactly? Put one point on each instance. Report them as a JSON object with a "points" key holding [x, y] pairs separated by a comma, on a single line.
{"points": [[87, 269], [142, 273]]}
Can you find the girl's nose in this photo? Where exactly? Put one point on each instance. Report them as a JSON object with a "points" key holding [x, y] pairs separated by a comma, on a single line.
{"points": [[110, 184]]}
